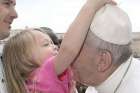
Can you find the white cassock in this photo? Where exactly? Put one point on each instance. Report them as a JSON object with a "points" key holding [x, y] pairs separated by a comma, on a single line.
{"points": [[129, 83], [91, 90]]}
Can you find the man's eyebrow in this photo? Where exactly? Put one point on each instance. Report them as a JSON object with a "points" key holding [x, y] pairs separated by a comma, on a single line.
{"points": [[11, 1], [46, 40], [7, 0]]}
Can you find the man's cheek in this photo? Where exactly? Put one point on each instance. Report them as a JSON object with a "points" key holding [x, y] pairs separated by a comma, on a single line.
{"points": [[3, 14], [75, 74]]}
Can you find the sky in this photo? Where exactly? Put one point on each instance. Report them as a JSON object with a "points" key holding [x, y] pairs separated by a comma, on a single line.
{"points": [[59, 14]]}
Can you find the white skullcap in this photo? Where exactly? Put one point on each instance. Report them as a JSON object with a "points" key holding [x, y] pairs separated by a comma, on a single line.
{"points": [[112, 24]]}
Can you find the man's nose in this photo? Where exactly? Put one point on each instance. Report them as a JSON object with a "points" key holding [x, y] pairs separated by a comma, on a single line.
{"points": [[13, 13]]}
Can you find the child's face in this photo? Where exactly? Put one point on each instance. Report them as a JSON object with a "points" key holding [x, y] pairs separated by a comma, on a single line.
{"points": [[44, 47]]}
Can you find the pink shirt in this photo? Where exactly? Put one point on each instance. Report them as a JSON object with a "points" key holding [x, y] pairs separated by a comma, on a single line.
{"points": [[45, 80]]}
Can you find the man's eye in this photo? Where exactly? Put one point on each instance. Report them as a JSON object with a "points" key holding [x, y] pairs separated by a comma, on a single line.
{"points": [[7, 3], [47, 44]]}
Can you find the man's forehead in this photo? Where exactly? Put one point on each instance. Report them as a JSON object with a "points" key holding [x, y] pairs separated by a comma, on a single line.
{"points": [[8, 0], [11, 1], [5, 0]]}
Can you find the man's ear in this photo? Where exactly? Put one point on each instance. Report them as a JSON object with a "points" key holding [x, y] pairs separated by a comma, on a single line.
{"points": [[105, 61]]}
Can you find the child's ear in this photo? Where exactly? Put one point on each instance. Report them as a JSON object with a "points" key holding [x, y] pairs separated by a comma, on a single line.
{"points": [[105, 61]]}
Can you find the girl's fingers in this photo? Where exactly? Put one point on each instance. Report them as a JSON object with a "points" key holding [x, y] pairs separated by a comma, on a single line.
{"points": [[111, 2]]}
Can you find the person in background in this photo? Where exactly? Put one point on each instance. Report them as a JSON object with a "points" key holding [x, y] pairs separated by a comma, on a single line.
{"points": [[7, 16], [106, 61], [32, 63]]}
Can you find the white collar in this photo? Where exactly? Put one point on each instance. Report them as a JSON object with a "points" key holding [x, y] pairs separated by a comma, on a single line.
{"points": [[109, 85]]}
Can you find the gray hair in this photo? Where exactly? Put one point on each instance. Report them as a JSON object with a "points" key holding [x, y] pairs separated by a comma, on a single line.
{"points": [[119, 53]]}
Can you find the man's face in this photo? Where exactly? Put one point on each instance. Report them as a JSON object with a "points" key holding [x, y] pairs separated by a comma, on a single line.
{"points": [[7, 15], [85, 68]]}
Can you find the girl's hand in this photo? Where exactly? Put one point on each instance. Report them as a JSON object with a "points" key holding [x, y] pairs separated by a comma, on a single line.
{"points": [[97, 4]]}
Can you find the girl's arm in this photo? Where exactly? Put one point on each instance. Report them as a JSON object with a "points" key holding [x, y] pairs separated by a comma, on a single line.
{"points": [[76, 34]]}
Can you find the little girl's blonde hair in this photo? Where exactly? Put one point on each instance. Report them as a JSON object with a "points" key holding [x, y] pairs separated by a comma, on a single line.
{"points": [[17, 61]]}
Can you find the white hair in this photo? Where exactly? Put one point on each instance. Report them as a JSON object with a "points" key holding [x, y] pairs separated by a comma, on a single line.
{"points": [[120, 53]]}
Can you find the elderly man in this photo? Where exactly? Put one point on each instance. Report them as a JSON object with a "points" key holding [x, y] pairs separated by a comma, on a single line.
{"points": [[7, 15], [106, 60]]}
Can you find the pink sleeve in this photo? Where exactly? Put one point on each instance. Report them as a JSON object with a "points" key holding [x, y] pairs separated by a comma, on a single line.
{"points": [[48, 82]]}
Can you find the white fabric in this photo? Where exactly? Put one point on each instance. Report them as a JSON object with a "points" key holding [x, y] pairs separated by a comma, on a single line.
{"points": [[91, 89], [131, 81], [112, 24], [3, 88]]}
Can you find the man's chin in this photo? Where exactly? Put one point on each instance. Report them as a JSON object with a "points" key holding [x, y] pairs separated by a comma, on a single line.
{"points": [[77, 79], [4, 35], [84, 82]]}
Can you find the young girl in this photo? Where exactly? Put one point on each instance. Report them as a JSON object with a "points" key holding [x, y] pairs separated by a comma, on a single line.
{"points": [[32, 63]]}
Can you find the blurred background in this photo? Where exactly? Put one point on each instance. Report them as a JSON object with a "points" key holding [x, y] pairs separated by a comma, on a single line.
{"points": [[58, 14]]}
